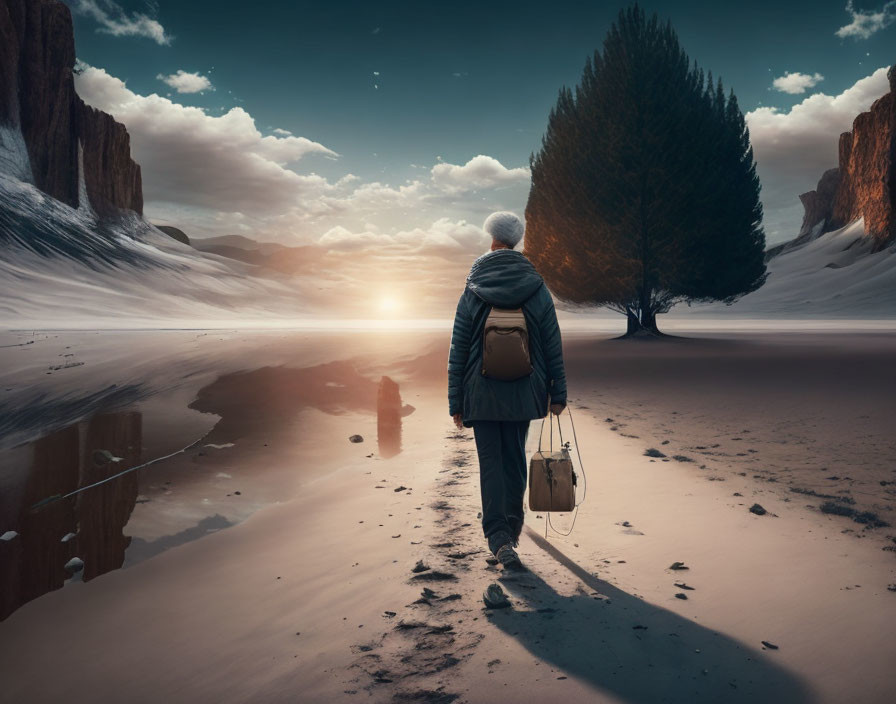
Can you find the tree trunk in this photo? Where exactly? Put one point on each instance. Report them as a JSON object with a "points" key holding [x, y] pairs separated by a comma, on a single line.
{"points": [[648, 321], [633, 324], [645, 324]]}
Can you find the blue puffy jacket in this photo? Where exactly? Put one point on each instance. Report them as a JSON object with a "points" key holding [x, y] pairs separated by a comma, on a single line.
{"points": [[506, 279]]}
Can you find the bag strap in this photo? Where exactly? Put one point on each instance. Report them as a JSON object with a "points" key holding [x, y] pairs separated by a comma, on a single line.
{"points": [[551, 428]]}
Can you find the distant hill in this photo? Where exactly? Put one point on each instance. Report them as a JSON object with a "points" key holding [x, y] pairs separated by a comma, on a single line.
{"points": [[270, 256], [179, 235], [239, 241]]}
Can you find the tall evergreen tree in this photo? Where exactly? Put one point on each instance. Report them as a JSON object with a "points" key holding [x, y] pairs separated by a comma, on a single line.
{"points": [[644, 192]]}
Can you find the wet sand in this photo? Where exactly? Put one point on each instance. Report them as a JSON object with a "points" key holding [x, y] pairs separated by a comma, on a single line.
{"points": [[303, 589]]}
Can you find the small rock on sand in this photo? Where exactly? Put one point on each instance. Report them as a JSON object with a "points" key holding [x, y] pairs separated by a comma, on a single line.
{"points": [[681, 595], [770, 646], [678, 566], [434, 576], [421, 566], [653, 452], [758, 510], [682, 585], [102, 457], [400, 488], [355, 438]]}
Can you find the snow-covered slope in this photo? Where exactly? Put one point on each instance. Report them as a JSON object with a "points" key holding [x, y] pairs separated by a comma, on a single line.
{"points": [[65, 267], [834, 276]]}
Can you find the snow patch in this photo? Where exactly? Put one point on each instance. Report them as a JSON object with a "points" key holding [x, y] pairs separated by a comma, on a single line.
{"points": [[83, 199], [14, 160], [63, 267], [835, 275]]}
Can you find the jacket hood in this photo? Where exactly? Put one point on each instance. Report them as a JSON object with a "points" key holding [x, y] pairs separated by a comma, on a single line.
{"points": [[503, 278]]}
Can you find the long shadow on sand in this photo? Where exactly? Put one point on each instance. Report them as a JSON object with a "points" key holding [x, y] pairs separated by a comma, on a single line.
{"points": [[634, 650]]}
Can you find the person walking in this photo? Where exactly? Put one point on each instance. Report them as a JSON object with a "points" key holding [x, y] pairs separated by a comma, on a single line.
{"points": [[499, 411]]}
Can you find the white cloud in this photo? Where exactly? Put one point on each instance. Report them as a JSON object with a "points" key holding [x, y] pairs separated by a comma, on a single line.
{"points": [[116, 21], [193, 158], [794, 148], [283, 133], [184, 82], [795, 83], [866, 22], [444, 237], [341, 238], [479, 172]]}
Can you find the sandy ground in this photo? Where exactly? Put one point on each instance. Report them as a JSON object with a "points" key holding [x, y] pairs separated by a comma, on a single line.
{"points": [[309, 594]]}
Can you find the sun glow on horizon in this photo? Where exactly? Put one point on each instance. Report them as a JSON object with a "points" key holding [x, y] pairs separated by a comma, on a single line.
{"points": [[389, 305]]}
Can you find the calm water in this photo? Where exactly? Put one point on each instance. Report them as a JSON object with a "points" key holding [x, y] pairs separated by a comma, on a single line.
{"points": [[87, 492]]}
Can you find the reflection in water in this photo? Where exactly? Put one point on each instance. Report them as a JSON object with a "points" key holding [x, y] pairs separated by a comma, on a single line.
{"points": [[388, 418], [49, 531], [141, 549], [87, 525]]}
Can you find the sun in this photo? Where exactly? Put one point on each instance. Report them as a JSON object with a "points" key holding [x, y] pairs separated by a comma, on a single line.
{"points": [[389, 304]]}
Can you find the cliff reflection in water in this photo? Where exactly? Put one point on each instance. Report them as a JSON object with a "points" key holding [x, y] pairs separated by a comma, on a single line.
{"points": [[87, 525]]}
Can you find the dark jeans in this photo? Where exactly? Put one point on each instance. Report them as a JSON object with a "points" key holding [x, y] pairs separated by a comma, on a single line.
{"points": [[501, 446]]}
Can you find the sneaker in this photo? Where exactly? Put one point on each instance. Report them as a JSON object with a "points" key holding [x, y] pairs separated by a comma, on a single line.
{"points": [[508, 557], [495, 598]]}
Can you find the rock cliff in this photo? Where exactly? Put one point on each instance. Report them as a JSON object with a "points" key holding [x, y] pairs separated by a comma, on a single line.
{"points": [[864, 185], [819, 204], [37, 95]]}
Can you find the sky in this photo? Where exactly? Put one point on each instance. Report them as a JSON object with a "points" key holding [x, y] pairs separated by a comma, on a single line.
{"points": [[386, 132]]}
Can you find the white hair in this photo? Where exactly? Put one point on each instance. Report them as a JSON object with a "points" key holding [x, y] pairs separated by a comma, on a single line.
{"points": [[505, 227]]}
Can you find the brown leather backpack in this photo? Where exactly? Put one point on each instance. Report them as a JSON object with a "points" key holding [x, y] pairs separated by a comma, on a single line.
{"points": [[505, 345]]}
